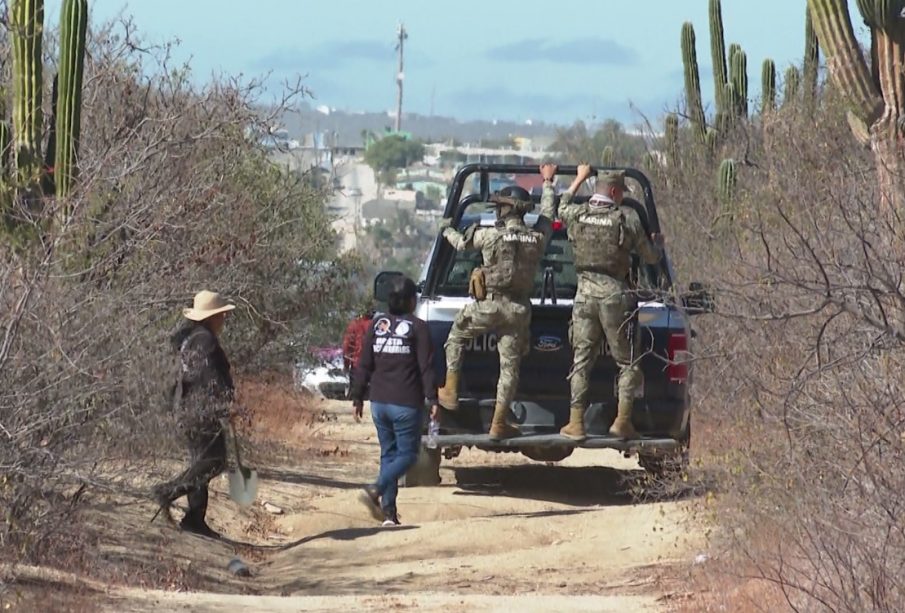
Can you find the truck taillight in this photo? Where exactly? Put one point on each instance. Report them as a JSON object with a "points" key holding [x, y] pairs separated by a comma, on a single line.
{"points": [[677, 351]]}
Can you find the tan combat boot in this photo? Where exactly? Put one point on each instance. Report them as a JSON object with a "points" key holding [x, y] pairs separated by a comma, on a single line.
{"points": [[448, 395], [575, 428], [499, 427], [622, 427]]}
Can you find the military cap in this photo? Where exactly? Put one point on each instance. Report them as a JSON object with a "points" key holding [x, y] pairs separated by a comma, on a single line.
{"points": [[613, 177]]}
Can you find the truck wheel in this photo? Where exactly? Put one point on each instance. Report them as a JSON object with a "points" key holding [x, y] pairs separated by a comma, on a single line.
{"points": [[426, 471]]}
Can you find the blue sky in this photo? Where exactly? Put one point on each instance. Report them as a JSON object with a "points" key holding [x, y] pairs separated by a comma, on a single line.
{"points": [[551, 61]]}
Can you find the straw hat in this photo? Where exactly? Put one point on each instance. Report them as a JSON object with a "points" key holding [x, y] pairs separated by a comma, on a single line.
{"points": [[207, 304]]}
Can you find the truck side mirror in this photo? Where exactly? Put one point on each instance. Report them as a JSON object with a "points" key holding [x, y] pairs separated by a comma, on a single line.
{"points": [[382, 283]]}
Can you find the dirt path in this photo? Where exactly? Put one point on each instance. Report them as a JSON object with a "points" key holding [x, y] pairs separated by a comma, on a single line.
{"points": [[500, 533]]}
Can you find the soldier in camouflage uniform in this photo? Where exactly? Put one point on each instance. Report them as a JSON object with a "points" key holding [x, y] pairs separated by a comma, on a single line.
{"points": [[511, 252], [201, 395], [604, 234]]}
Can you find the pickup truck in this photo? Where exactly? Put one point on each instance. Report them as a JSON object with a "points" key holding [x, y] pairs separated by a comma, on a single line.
{"points": [[662, 409]]}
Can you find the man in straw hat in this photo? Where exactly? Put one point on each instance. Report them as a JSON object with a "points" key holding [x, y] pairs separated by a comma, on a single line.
{"points": [[502, 288], [201, 397]]}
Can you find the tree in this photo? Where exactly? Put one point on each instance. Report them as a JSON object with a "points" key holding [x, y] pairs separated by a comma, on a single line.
{"points": [[393, 152], [577, 144]]}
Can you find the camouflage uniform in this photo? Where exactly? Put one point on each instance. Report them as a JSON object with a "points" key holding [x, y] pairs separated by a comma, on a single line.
{"points": [[511, 253], [603, 238], [201, 397]]}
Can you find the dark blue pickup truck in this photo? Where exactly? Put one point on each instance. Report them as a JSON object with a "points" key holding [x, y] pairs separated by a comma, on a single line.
{"points": [[541, 407]]}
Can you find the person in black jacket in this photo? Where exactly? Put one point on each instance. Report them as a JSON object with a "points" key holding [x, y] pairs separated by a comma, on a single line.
{"points": [[201, 397], [396, 366]]}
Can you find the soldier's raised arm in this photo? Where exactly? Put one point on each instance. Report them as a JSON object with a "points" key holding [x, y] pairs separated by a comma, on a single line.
{"points": [[568, 211]]}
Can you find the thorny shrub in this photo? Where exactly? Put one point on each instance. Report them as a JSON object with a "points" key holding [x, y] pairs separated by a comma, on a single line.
{"points": [[174, 197], [799, 375]]}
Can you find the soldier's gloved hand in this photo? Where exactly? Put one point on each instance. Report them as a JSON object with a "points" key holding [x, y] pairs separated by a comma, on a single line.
{"points": [[548, 171]]}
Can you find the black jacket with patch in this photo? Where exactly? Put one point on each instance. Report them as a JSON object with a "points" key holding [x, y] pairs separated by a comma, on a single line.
{"points": [[396, 363]]}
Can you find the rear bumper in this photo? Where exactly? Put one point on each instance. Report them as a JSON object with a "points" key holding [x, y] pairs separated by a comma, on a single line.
{"points": [[483, 442]]}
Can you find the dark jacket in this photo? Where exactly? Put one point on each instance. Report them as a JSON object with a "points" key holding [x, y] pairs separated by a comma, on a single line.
{"points": [[206, 387], [396, 363]]}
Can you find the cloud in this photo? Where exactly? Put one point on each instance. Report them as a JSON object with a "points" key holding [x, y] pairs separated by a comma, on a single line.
{"points": [[584, 51], [326, 55]]}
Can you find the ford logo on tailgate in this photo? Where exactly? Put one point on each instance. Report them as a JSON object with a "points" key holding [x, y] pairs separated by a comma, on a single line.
{"points": [[548, 343]]}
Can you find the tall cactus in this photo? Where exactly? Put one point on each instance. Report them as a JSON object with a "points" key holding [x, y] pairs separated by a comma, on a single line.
{"points": [[26, 32], [811, 58], [874, 92], [726, 183], [791, 85], [74, 23], [738, 75], [768, 86], [608, 157], [671, 134], [718, 54], [692, 81]]}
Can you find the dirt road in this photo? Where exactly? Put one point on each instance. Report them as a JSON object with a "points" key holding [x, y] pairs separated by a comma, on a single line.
{"points": [[500, 533]]}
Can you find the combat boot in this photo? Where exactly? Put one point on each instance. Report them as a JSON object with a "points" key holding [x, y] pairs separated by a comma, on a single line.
{"points": [[499, 427], [575, 428], [622, 427], [448, 395]]}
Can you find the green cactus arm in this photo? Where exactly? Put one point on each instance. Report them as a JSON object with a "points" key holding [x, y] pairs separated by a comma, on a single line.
{"points": [[692, 81], [727, 181], [791, 84], [718, 53], [768, 86], [811, 56], [833, 25], [608, 156], [26, 32], [74, 26], [738, 76]]}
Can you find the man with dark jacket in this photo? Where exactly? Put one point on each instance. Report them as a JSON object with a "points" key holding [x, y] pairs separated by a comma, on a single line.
{"points": [[201, 397], [397, 366]]}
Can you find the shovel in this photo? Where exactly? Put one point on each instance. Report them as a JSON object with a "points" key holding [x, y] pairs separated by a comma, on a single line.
{"points": [[243, 482]]}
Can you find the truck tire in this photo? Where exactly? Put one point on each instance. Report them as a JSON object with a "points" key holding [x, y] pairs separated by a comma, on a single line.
{"points": [[426, 471], [671, 464]]}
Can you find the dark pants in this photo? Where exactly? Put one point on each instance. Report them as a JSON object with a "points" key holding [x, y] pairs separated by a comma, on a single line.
{"points": [[207, 459], [399, 433]]}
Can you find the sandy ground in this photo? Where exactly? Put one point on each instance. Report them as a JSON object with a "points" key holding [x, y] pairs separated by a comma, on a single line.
{"points": [[500, 533]]}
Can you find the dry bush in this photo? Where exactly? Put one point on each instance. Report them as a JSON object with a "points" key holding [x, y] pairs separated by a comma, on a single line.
{"points": [[173, 198], [799, 377]]}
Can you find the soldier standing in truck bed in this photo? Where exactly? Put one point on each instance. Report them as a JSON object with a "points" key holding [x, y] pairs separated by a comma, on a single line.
{"points": [[502, 288], [604, 234]]}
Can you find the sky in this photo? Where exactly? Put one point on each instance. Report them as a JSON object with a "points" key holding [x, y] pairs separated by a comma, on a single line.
{"points": [[501, 59]]}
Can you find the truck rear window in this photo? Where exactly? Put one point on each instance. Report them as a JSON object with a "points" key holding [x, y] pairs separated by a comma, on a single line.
{"points": [[558, 262]]}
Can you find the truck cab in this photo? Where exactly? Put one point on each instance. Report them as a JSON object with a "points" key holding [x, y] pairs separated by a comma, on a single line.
{"points": [[662, 412]]}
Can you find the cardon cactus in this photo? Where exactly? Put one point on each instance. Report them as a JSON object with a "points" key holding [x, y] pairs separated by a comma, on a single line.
{"points": [[738, 75], [26, 34], [671, 134], [768, 86], [790, 86], [718, 54], [693, 101], [726, 183], [873, 92], [811, 58], [74, 26], [607, 158]]}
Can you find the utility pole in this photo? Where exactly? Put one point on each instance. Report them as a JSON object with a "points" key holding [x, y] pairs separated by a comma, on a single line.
{"points": [[402, 35]]}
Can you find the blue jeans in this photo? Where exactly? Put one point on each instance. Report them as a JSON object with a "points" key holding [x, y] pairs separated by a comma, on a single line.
{"points": [[399, 433]]}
